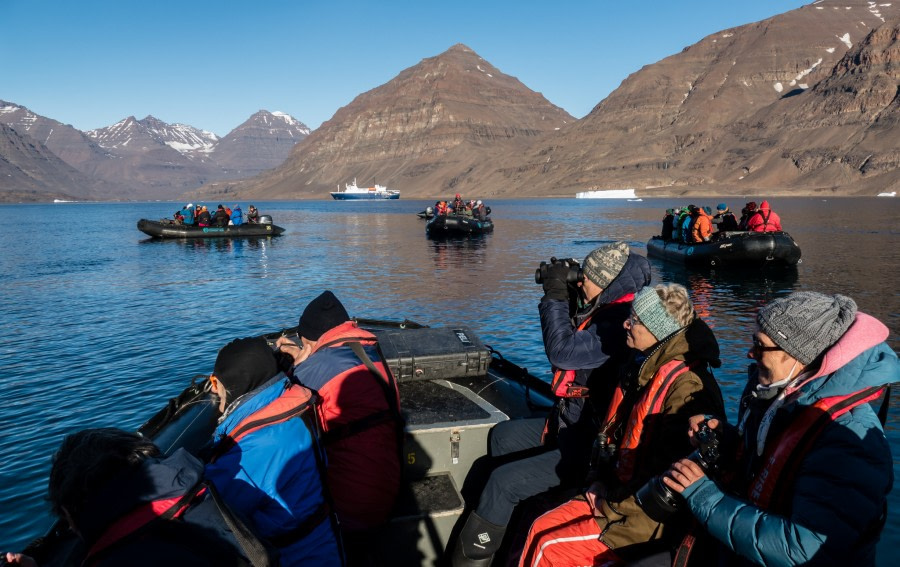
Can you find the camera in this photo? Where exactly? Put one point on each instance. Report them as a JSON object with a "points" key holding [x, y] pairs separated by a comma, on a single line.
{"points": [[573, 276], [658, 500]]}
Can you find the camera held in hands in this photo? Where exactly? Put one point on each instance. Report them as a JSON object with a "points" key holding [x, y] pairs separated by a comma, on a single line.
{"points": [[658, 500], [573, 276]]}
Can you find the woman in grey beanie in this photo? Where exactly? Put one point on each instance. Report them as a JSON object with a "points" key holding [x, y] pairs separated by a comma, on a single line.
{"points": [[816, 468]]}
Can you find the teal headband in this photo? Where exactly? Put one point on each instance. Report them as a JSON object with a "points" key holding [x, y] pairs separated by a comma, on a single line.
{"points": [[653, 314]]}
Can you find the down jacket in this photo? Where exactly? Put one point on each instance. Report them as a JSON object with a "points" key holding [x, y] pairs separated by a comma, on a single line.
{"points": [[841, 485], [272, 478]]}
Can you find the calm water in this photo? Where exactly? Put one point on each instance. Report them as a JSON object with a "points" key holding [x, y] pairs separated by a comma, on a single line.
{"points": [[99, 325]]}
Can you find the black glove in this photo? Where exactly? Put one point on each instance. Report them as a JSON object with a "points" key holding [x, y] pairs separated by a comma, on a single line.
{"points": [[555, 286]]}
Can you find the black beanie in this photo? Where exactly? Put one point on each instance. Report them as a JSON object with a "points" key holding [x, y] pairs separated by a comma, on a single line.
{"points": [[322, 314], [244, 364]]}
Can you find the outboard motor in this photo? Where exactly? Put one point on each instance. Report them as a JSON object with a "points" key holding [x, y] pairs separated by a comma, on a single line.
{"points": [[265, 219]]}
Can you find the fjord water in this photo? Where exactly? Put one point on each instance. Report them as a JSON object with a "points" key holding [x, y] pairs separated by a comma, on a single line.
{"points": [[99, 325]]}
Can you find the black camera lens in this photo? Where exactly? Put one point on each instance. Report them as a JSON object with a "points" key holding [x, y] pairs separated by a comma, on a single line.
{"points": [[657, 500]]}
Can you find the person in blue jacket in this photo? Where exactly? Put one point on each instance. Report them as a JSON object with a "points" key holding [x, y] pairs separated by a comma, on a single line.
{"points": [[272, 475], [815, 471], [188, 213], [586, 352], [237, 216]]}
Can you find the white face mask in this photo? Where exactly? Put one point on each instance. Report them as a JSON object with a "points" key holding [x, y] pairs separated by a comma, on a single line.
{"points": [[768, 392]]}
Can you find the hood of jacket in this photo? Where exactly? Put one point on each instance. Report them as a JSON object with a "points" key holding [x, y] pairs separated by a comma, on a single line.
{"points": [[635, 275], [693, 343], [155, 479], [764, 206], [860, 359]]}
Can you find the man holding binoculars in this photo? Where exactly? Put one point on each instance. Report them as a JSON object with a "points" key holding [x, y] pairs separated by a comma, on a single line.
{"points": [[582, 314]]}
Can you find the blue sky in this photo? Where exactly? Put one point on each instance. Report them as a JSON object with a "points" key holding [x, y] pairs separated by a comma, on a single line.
{"points": [[211, 64]]}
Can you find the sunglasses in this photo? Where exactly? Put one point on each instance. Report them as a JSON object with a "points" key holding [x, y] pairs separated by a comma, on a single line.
{"points": [[759, 348], [632, 321]]}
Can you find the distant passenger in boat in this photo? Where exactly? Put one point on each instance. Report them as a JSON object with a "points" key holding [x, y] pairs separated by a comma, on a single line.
{"points": [[687, 224], [359, 415], [179, 218], [203, 218], [701, 229], [765, 220], [666, 382], [668, 223], [676, 224], [724, 219], [747, 213], [458, 204], [811, 483], [237, 216], [252, 215], [188, 214], [480, 211], [132, 505], [586, 353], [272, 473], [220, 219]]}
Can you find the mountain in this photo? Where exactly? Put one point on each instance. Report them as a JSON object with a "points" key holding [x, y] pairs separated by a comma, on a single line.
{"points": [[262, 142], [151, 159], [794, 104], [29, 171], [433, 117]]}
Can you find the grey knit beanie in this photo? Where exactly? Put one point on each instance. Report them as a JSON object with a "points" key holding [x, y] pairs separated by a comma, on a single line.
{"points": [[806, 323], [602, 265], [653, 314]]}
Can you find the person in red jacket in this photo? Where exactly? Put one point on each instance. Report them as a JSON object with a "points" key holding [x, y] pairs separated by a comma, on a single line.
{"points": [[765, 220]]}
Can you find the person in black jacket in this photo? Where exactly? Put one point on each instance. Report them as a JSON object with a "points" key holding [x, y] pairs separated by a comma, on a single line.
{"points": [[586, 352], [221, 217], [131, 505], [724, 219]]}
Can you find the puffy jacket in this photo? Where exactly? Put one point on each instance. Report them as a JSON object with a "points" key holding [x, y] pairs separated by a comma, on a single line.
{"points": [[663, 437], [842, 483], [198, 537], [765, 220], [702, 228], [272, 478], [237, 216], [363, 463], [595, 354], [188, 214]]}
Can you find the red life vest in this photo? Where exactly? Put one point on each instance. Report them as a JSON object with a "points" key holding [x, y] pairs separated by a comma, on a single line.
{"points": [[563, 383], [362, 432], [650, 402], [771, 487]]}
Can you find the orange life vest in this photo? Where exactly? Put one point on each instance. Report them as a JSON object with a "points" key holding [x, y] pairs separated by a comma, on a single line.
{"points": [[650, 402]]}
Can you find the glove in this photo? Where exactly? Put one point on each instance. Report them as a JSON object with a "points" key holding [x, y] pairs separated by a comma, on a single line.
{"points": [[555, 286]]}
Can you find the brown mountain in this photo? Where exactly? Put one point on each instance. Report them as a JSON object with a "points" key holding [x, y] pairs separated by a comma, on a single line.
{"points": [[802, 102], [262, 142], [434, 117], [31, 172]]}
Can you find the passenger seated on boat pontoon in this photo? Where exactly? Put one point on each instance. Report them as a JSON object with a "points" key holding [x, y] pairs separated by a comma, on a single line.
{"points": [[724, 219], [360, 414], [748, 212], [668, 223], [586, 353], [479, 211], [203, 217], [179, 218], [132, 505], [188, 214], [701, 228], [271, 474], [237, 216], [458, 204], [220, 219], [252, 215], [765, 220]]}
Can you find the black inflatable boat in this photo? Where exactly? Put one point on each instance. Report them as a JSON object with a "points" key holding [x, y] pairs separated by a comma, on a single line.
{"points": [[453, 390], [168, 229], [457, 225], [735, 249]]}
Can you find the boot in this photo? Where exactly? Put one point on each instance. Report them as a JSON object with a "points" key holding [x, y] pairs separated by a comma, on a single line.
{"points": [[478, 541]]}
